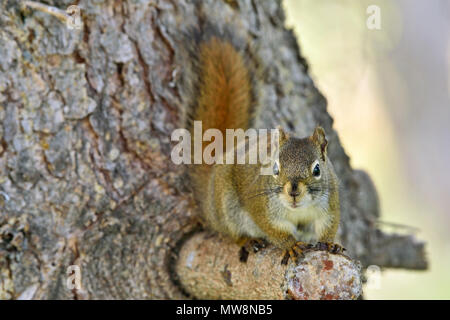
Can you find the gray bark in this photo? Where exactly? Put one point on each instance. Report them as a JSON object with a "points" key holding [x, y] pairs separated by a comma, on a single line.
{"points": [[85, 121]]}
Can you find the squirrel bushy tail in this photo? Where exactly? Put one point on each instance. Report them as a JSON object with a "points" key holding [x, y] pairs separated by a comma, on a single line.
{"points": [[222, 92], [224, 98]]}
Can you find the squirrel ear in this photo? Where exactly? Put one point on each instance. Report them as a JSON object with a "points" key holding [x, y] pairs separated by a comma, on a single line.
{"points": [[320, 140], [283, 135]]}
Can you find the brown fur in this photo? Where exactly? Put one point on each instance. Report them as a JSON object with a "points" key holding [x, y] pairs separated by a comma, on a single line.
{"points": [[224, 100]]}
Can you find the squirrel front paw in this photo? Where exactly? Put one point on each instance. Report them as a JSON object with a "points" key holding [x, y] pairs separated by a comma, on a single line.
{"points": [[299, 248], [296, 251], [330, 247], [250, 245]]}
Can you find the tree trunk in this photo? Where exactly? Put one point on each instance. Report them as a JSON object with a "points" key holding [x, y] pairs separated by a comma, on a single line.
{"points": [[85, 172]]}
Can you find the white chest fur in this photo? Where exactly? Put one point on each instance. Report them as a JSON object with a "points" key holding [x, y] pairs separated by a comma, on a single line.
{"points": [[307, 222], [312, 221]]}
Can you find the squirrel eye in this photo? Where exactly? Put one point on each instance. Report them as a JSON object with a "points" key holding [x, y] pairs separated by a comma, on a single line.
{"points": [[316, 171], [276, 169]]}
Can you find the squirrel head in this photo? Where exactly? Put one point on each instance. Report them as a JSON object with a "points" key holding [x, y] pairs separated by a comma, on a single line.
{"points": [[302, 172]]}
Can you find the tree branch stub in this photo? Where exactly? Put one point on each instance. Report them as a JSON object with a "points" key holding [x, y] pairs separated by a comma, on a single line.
{"points": [[209, 268]]}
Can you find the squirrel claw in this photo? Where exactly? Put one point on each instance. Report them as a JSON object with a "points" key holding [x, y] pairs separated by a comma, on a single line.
{"points": [[243, 255], [286, 257], [296, 252]]}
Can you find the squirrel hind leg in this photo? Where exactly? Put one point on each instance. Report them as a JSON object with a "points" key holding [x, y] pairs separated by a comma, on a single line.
{"points": [[249, 244]]}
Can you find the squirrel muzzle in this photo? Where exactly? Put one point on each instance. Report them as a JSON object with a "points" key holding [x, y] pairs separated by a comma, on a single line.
{"points": [[294, 192]]}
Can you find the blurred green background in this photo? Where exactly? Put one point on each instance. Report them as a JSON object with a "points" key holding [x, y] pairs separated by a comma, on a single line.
{"points": [[389, 93]]}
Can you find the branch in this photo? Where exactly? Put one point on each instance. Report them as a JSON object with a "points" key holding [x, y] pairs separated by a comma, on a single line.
{"points": [[208, 267], [398, 251]]}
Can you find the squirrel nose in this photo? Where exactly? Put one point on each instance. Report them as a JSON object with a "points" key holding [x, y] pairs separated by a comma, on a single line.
{"points": [[294, 190], [294, 194]]}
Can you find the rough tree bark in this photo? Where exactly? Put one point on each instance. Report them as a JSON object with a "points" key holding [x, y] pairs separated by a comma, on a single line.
{"points": [[85, 171]]}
